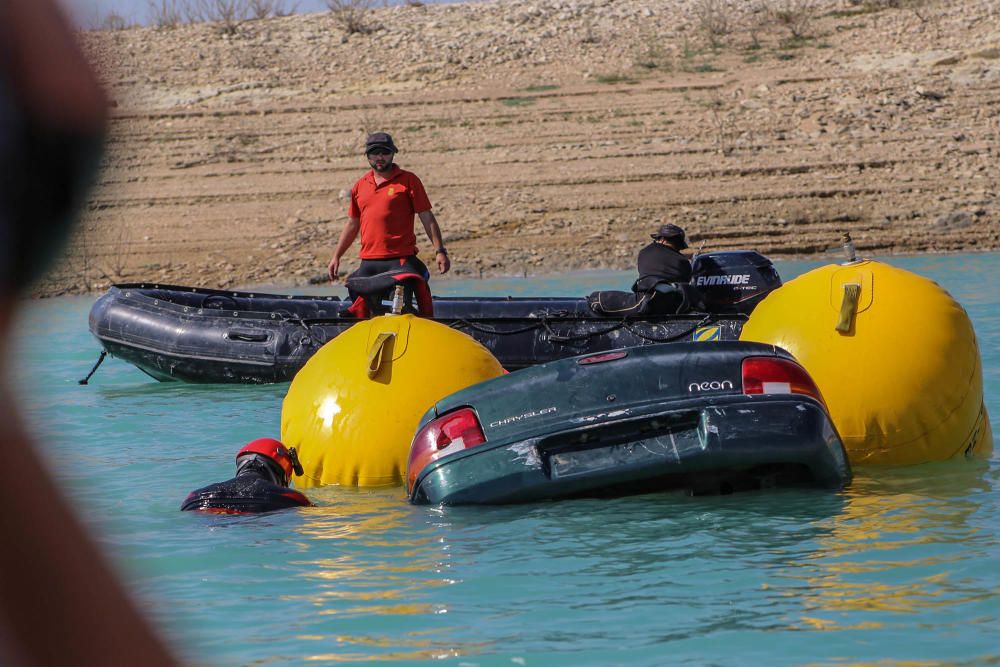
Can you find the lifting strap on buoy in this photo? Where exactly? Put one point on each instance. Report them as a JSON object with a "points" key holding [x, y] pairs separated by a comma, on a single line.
{"points": [[376, 353], [848, 307], [93, 370]]}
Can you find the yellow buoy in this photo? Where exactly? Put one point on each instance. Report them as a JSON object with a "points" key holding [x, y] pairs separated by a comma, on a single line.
{"points": [[352, 410], [894, 355]]}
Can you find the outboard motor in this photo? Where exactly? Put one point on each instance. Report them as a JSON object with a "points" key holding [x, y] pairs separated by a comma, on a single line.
{"points": [[733, 281]]}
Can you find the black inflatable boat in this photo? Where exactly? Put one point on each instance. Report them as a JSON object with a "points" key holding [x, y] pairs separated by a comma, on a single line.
{"points": [[208, 335]]}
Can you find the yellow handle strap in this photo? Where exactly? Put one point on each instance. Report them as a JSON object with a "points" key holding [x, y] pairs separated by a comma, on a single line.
{"points": [[848, 307], [376, 354]]}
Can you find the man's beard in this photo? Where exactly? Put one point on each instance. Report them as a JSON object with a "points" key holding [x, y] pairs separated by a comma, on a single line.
{"points": [[386, 168]]}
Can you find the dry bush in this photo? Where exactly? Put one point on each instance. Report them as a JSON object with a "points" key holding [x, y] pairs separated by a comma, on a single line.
{"points": [[353, 16], [757, 18], [714, 20], [119, 254], [796, 16], [652, 56], [261, 9], [885, 4], [723, 125], [167, 13], [918, 7], [101, 20], [228, 14], [370, 121], [114, 21]]}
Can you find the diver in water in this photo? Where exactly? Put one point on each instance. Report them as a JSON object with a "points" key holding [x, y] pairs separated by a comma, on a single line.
{"points": [[264, 469]]}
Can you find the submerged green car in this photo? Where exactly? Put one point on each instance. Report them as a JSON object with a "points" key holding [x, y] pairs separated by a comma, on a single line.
{"points": [[702, 417]]}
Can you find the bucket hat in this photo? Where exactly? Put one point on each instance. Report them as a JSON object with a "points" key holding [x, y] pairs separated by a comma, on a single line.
{"points": [[673, 233]]}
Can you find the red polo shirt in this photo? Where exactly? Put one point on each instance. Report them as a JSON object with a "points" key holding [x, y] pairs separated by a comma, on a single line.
{"points": [[386, 213]]}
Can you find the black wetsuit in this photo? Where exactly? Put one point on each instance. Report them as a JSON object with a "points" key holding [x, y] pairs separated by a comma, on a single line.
{"points": [[660, 263], [374, 267], [256, 488]]}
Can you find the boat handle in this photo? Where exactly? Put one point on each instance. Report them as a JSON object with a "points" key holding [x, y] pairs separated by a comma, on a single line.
{"points": [[248, 336]]}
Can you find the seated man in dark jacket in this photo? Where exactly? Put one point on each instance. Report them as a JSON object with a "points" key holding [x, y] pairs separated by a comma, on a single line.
{"points": [[660, 264], [661, 261], [664, 274]]}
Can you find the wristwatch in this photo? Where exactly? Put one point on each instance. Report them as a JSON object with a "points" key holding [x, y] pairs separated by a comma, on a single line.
{"points": [[441, 251]]}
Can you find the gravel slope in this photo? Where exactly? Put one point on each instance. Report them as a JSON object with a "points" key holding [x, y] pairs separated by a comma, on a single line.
{"points": [[551, 135]]}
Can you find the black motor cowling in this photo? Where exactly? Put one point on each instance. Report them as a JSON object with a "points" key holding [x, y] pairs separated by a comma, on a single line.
{"points": [[733, 281]]}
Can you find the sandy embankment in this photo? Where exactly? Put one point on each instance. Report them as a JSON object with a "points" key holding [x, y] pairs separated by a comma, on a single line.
{"points": [[551, 135]]}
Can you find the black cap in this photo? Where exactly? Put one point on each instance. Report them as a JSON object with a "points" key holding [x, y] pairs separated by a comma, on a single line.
{"points": [[380, 140], [672, 233]]}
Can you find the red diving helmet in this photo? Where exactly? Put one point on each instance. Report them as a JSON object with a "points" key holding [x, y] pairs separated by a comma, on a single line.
{"points": [[285, 457]]}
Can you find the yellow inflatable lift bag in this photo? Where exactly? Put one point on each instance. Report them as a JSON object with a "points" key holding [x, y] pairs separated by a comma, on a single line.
{"points": [[352, 410], [894, 355]]}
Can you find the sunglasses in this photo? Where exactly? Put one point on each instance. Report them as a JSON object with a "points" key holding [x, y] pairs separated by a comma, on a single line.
{"points": [[379, 151]]}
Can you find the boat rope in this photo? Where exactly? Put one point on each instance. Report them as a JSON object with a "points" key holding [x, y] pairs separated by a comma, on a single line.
{"points": [[458, 324], [318, 335], [580, 338], [304, 325], [669, 339], [93, 370], [556, 337]]}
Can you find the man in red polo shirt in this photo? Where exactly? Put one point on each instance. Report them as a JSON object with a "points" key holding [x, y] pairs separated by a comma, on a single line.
{"points": [[383, 204]]}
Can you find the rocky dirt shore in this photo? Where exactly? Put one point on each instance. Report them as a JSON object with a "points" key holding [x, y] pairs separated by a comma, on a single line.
{"points": [[551, 134]]}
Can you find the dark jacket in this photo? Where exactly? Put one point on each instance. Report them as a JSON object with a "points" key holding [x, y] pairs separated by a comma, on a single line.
{"points": [[660, 263]]}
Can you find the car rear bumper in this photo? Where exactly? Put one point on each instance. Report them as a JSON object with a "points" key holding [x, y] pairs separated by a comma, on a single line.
{"points": [[749, 443]]}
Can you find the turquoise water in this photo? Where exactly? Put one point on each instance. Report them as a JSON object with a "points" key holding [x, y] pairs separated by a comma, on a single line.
{"points": [[901, 568]]}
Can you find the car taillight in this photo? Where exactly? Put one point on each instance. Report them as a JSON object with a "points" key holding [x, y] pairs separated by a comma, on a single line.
{"points": [[445, 435], [772, 375], [601, 358]]}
